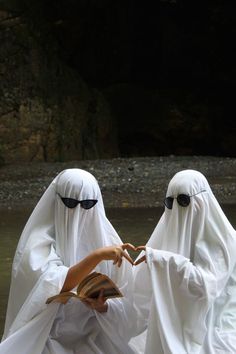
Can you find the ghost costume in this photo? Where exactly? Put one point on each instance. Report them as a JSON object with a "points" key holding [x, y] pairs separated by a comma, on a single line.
{"points": [[186, 293], [54, 239]]}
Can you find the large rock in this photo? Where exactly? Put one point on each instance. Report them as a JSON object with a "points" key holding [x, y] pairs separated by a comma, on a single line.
{"points": [[47, 112]]}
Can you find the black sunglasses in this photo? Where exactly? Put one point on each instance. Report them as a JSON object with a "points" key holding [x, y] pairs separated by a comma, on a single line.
{"points": [[72, 203], [182, 199]]}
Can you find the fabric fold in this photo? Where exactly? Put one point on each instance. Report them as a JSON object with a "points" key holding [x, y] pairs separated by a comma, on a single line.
{"points": [[54, 239], [191, 257]]}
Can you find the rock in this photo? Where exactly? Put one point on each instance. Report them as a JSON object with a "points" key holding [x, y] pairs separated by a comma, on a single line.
{"points": [[23, 184], [47, 111]]}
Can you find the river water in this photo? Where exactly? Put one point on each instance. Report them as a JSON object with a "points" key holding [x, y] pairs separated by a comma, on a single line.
{"points": [[133, 225]]}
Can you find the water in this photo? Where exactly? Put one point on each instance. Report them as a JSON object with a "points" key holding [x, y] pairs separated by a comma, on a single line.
{"points": [[133, 225]]}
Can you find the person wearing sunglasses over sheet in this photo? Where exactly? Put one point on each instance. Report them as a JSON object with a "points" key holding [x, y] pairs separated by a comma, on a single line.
{"points": [[185, 282], [66, 237]]}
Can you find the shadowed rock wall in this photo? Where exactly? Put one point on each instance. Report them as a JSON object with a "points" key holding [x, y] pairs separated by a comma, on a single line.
{"points": [[164, 74], [47, 112]]}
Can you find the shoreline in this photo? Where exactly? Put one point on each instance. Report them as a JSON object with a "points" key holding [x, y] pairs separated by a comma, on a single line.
{"points": [[125, 182]]}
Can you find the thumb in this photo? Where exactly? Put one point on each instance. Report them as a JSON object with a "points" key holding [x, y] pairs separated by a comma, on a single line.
{"points": [[140, 260], [101, 296]]}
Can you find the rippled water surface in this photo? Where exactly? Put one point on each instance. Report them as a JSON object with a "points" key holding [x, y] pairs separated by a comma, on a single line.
{"points": [[133, 225]]}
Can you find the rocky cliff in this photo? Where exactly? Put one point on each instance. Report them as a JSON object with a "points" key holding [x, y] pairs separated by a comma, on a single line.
{"points": [[47, 111]]}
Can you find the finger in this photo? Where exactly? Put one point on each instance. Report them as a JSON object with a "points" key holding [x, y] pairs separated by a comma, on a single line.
{"points": [[89, 300], [116, 259], [101, 298], [119, 262], [127, 256], [141, 248], [128, 246], [140, 260], [87, 303]]}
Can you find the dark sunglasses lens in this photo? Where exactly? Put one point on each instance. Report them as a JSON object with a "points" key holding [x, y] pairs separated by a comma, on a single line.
{"points": [[88, 203], [183, 200], [169, 202], [70, 202]]}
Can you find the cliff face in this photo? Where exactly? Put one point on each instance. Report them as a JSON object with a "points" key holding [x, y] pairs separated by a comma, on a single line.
{"points": [[96, 79], [47, 112]]}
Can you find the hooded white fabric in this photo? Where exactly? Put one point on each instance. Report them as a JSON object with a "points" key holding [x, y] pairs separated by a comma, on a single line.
{"points": [[55, 238], [188, 300]]}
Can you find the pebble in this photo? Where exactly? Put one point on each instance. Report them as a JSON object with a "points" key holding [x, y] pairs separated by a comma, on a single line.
{"points": [[124, 182]]}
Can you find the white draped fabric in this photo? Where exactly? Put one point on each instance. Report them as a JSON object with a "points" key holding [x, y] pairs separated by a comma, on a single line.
{"points": [[187, 302], [55, 238]]}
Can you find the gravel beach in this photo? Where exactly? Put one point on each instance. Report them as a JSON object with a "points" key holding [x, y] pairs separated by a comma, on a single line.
{"points": [[124, 182]]}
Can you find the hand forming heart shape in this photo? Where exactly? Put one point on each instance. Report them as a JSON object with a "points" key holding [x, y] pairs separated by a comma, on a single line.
{"points": [[129, 246]]}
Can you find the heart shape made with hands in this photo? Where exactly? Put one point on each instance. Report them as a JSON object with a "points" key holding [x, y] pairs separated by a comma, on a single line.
{"points": [[129, 246]]}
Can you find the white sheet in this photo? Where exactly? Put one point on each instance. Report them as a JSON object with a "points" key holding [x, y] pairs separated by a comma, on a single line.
{"points": [[55, 238], [188, 304]]}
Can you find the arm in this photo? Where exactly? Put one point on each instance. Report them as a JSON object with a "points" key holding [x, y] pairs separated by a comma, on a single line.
{"points": [[79, 271]]}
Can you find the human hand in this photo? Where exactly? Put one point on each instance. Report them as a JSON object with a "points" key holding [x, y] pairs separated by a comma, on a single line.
{"points": [[99, 304], [143, 258], [116, 253]]}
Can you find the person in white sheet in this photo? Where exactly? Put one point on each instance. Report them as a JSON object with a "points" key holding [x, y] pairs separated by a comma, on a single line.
{"points": [[185, 290], [66, 237]]}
